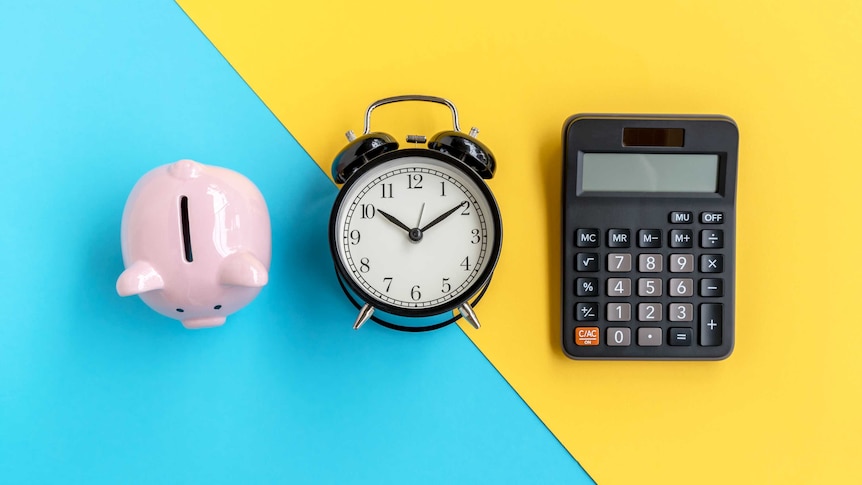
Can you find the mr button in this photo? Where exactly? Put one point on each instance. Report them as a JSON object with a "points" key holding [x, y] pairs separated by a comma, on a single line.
{"points": [[587, 336]]}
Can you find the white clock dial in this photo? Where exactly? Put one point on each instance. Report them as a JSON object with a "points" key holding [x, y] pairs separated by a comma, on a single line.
{"points": [[416, 233]]}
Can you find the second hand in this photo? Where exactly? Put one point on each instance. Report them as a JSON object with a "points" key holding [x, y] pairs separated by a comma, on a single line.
{"points": [[419, 222]]}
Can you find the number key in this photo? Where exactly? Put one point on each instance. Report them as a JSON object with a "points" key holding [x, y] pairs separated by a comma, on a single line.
{"points": [[680, 312], [619, 287], [619, 336], [619, 312], [619, 262], [681, 263], [681, 287], [649, 286], [649, 312], [650, 263]]}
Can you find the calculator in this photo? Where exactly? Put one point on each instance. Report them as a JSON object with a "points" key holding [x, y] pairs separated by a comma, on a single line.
{"points": [[648, 236]]}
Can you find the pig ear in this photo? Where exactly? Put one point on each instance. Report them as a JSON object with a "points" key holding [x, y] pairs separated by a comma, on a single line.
{"points": [[243, 269], [140, 277]]}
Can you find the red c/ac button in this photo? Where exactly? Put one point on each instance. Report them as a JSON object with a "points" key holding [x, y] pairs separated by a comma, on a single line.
{"points": [[586, 336]]}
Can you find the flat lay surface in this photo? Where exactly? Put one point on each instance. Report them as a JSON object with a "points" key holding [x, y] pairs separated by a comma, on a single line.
{"points": [[97, 388]]}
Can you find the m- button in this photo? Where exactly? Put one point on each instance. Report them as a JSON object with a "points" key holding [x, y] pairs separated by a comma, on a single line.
{"points": [[649, 238]]}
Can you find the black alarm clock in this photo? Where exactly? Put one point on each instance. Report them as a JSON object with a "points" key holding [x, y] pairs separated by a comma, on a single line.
{"points": [[415, 232]]}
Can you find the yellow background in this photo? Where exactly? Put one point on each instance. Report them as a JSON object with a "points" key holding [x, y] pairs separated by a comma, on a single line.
{"points": [[785, 407]]}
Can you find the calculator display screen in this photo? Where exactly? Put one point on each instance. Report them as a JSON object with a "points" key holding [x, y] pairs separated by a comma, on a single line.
{"points": [[649, 172]]}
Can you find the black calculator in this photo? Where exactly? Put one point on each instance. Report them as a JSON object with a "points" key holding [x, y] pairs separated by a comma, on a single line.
{"points": [[649, 236]]}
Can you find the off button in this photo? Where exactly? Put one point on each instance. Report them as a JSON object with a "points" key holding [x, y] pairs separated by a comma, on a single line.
{"points": [[711, 217]]}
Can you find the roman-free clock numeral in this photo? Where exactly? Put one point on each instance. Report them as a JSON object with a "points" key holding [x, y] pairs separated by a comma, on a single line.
{"points": [[398, 244], [414, 181], [434, 237]]}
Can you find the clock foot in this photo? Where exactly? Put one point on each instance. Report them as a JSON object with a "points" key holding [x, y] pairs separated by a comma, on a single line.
{"points": [[469, 315], [364, 315]]}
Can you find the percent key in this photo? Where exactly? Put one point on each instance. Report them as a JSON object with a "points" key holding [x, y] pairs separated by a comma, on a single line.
{"points": [[587, 286]]}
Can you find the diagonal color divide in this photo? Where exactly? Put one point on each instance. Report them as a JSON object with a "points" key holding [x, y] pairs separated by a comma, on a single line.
{"points": [[782, 408]]}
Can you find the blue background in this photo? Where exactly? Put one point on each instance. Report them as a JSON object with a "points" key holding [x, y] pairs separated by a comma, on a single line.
{"points": [[99, 389]]}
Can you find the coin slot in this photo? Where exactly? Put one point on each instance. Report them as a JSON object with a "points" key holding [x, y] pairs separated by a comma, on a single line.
{"points": [[184, 219]]}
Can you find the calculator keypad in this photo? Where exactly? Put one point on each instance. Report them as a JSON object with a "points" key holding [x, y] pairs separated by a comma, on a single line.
{"points": [[651, 287]]}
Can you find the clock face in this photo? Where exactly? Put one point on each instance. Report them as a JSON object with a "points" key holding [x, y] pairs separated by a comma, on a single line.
{"points": [[415, 233]]}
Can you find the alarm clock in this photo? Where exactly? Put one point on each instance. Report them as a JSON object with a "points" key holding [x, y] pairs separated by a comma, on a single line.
{"points": [[196, 242], [415, 232]]}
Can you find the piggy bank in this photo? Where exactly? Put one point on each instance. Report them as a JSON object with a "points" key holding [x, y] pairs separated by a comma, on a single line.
{"points": [[196, 242]]}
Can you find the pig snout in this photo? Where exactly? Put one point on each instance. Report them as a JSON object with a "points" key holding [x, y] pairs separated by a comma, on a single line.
{"points": [[185, 169]]}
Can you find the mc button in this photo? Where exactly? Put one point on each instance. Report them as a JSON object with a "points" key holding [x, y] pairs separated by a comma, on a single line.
{"points": [[587, 238]]}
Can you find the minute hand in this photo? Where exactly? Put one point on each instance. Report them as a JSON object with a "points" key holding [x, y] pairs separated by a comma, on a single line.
{"points": [[443, 216]]}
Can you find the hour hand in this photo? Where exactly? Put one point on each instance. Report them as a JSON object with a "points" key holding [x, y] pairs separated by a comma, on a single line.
{"points": [[393, 220]]}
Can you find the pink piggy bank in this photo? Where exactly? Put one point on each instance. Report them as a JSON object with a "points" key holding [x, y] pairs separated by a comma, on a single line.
{"points": [[196, 242]]}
